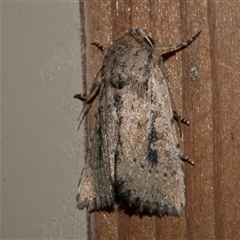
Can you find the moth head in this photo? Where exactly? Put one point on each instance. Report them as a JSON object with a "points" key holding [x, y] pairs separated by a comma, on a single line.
{"points": [[141, 35]]}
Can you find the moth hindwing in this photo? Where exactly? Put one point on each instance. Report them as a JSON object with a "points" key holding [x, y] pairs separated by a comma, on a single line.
{"points": [[134, 151]]}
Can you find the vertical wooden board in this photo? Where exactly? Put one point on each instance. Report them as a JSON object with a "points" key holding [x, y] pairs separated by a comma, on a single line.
{"points": [[171, 228], [133, 227], [211, 102], [165, 22], [121, 17], [98, 28], [226, 105], [198, 137], [103, 225], [165, 30], [141, 14]]}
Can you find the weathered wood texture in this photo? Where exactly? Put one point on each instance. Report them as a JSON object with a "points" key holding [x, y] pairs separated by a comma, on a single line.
{"points": [[211, 102]]}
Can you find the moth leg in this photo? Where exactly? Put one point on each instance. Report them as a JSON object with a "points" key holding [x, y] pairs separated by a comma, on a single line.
{"points": [[80, 97], [88, 98], [187, 159], [96, 84], [174, 48], [178, 118], [83, 97], [85, 108], [99, 46]]}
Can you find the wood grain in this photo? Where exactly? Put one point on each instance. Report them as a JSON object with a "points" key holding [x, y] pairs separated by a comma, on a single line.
{"points": [[211, 102]]}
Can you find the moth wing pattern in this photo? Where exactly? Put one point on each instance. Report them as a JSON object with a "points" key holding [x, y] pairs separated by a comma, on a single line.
{"points": [[149, 169], [134, 151], [95, 188]]}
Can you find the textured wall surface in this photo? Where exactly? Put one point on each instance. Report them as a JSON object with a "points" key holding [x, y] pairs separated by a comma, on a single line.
{"points": [[42, 151]]}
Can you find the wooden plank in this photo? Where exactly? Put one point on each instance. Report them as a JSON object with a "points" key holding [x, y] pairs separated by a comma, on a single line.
{"points": [[197, 107], [210, 100], [98, 28], [225, 62]]}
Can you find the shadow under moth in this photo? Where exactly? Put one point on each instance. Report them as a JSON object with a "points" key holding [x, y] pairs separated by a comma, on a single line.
{"points": [[134, 151]]}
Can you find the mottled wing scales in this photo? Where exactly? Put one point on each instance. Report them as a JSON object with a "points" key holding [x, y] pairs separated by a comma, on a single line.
{"points": [[134, 150], [95, 188], [149, 168]]}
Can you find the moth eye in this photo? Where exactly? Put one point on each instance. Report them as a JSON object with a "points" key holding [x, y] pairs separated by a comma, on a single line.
{"points": [[149, 41]]}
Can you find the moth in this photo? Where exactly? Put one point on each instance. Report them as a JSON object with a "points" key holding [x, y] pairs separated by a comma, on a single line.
{"points": [[134, 151]]}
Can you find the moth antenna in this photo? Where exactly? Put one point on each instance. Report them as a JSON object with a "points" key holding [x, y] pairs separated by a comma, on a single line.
{"points": [[82, 115], [175, 48], [92, 94]]}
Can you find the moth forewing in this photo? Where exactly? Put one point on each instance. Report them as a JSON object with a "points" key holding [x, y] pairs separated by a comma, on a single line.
{"points": [[149, 168], [95, 189]]}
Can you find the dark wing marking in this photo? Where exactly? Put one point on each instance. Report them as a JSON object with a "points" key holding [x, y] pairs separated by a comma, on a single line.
{"points": [[95, 188], [149, 170]]}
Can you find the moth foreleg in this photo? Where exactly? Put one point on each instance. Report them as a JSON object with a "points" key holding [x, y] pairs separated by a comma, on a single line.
{"points": [[178, 118], [187, 159], [99, 46], [80, 97]]}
